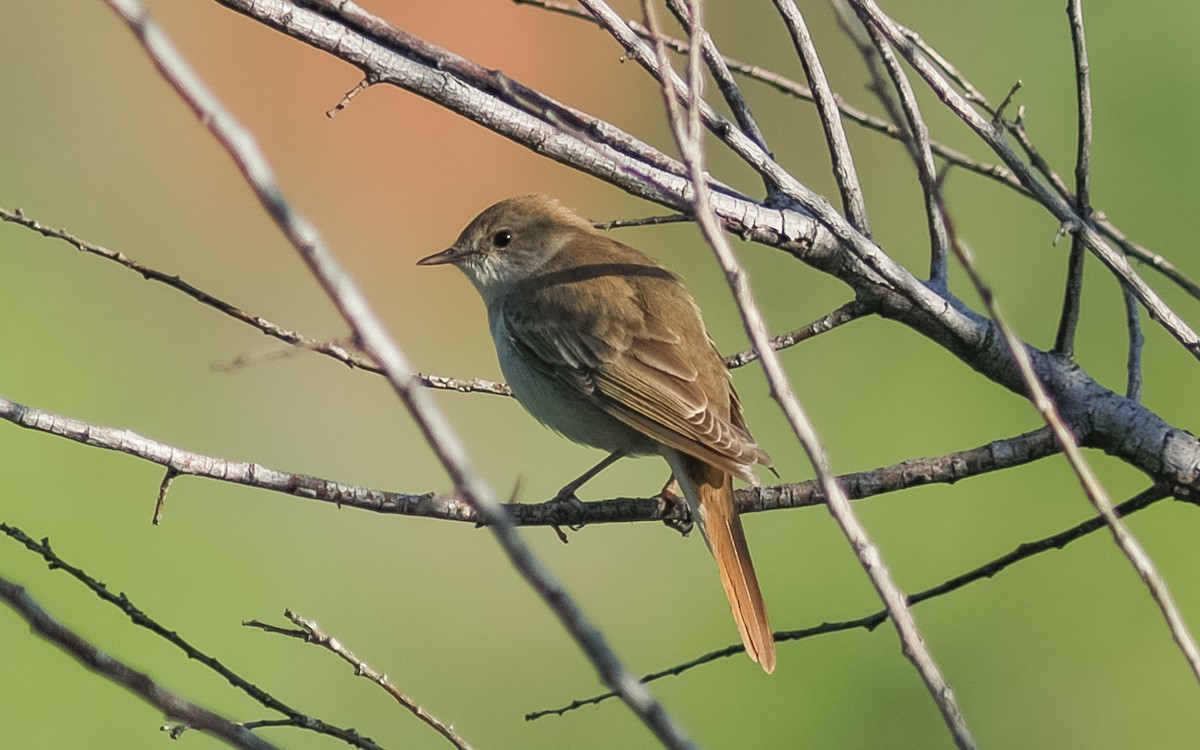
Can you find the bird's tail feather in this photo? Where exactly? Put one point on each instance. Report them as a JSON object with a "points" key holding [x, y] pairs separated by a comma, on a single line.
{"points": [[709, 492]]}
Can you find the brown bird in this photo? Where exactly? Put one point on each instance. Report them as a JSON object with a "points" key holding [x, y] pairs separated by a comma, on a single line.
{"points": [[605, 346]]}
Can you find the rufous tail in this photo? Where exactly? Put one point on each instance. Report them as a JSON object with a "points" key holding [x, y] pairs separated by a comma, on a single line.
{"points": [[710, 492]]}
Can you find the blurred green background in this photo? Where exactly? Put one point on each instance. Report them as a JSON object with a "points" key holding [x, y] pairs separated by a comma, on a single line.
{"points": [[1065, 650]]}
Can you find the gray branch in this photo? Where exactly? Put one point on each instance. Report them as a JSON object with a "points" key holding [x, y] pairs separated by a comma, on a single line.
{"points": [[948, 469]]}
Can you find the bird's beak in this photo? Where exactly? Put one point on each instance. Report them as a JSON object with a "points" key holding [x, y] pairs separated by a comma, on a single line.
{"points": [[449, 255]]}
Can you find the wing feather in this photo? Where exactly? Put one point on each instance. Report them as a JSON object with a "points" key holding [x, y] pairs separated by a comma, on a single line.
{"points": [[620, 336]]}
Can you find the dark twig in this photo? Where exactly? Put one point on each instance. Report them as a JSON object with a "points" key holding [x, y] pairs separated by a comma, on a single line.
{"points": [[853, 202], [161, 503], [990, 569], [369, 330], [1145, 254], [138, 683], [1064, 340], [1133, 359], [644, 222], [311, 632], [140, 618], [1064, 343], [852, 310], [329, 349]]}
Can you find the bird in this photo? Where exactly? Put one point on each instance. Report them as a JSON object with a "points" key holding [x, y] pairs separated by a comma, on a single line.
{"points": [[604, 345]]}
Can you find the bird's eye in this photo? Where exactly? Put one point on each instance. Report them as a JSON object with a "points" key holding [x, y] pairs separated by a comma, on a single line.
{"points": [[502, 238]]}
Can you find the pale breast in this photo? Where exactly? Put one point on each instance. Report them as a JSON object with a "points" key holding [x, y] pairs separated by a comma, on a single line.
{"points": [[558, 407]]}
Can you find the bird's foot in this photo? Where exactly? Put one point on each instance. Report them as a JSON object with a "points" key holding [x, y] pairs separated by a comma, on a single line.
{"points": [[565, 509], [673, 509]]}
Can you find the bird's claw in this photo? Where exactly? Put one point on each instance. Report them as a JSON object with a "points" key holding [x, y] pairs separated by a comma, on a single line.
{"points": [[565, 509], [674, 510]]}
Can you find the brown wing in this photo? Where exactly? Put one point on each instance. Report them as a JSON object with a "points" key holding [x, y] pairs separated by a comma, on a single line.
{"points": [[626, 335]]}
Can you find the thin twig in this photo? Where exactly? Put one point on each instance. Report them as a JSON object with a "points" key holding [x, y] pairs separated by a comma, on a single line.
{"points": [[853, 202], [723, 77], [643, 222], [1145, 254], [688, 137], [1064, 343], [327, 348], [139, 683], [369, 330], [852, 310], [1068, 321], [939, 252], [1133, 359], [988, 570], [311, 632]]}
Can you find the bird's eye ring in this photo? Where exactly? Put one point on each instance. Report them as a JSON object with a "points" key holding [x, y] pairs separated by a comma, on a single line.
{"points": [[502, 238]]}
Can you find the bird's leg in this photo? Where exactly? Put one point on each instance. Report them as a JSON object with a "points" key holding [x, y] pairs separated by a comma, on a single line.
{"points": [[567, 493], [566, 501], [674, 509]]}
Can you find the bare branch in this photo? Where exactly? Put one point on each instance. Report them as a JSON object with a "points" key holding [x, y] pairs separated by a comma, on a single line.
{"points": [[329, 349], [994, 456], [1064, 343], [1133, 360], [852, 310], [311, 632]]}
